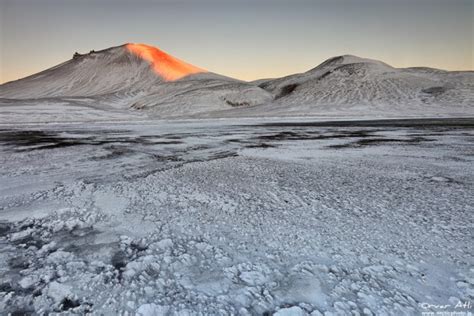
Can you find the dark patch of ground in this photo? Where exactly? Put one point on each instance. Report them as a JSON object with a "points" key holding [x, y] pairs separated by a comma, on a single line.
{"points": [[119, 260], [222, 154], [420, 123], [27, 140], [435, 91], [236, 103], [286, 90], [68, 303], [4, 228], [21, 312], [260, 145], [18, 262], [314, 135], [380, 141]]}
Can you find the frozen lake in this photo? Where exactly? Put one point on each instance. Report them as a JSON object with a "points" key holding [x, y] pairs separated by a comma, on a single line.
{"points": [[237, 217]]}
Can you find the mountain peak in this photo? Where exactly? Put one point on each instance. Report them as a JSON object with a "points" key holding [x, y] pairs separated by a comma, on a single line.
{"points": [[342, 60], [166, 66], [352, 59]]}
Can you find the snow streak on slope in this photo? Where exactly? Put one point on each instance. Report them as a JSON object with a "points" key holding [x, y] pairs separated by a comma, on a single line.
{"points": [[165, 65]]}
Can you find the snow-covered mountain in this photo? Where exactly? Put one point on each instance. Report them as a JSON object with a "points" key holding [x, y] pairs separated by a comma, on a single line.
{"points": [[135, 76], [349, 79], [144, 78], [349, 84]]}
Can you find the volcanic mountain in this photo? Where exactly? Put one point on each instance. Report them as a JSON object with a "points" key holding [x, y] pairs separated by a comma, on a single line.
{"points": [[137, 76]]}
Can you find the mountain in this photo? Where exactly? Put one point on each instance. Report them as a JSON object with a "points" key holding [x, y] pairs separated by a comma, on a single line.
{"points": [[346, 82], [135, 76], [144, 80]]}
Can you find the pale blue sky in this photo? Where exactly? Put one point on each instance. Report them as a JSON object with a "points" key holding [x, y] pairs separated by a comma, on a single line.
{"points": [[243, 39]]}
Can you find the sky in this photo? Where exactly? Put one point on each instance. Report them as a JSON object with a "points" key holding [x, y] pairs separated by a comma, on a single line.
{"points": [[245, 39]]}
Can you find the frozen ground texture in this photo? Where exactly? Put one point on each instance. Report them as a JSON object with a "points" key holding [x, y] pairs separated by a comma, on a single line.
{"points": [[236, 217]]}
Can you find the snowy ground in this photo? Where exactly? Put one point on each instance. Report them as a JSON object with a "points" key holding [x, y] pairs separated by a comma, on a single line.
{"points": [[237, 217]]}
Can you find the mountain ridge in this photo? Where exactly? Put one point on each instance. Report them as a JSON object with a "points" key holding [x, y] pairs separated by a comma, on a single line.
{"points": [[145, 78]]}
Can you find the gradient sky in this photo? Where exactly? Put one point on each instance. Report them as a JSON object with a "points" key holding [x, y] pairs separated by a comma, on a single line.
{"points": [[246, 39]]}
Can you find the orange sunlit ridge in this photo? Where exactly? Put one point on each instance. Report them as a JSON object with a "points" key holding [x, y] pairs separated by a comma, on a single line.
{"points": [[166, 66]]}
